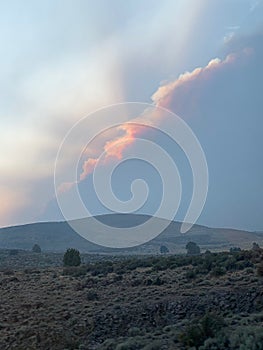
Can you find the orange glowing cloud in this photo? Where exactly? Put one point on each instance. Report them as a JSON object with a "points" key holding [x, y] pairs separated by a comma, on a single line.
{"points": [[88, 167], [114, 146], [66, 186]]}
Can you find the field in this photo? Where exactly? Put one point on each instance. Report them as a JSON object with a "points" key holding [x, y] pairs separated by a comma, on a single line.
{"points": [[210, 301]]}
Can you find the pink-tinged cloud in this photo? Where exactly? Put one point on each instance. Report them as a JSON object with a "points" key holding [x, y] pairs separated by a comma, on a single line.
{"points": [[164, 95], [66, 186], [88, 167], [115, 147]]}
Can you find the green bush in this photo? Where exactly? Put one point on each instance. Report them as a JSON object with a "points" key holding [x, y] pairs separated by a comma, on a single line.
{"points": [[71, 257], [131, 344], [247, 338], [192, 336], [75, 271], [8, 272], [260, 269], [92, 295], [190, 274], [197, 332], [155, 345], [242, 338], [211, 324], [192, 248], [234, 249], [218, 271], [36, 248], [13, 252], [218, 343], [134, 331], [100, 268], [164, 249]]}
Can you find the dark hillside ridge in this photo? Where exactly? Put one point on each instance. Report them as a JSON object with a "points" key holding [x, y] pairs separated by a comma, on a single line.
{"points": [[58, 236]]}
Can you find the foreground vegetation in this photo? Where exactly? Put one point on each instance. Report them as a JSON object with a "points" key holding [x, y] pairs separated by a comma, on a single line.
{"points": [[208, 301]]}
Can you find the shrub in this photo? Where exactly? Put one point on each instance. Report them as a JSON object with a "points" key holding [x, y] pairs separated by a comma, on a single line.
{"points": [[8, 272], [260, 269], [36, 248], [131, 344], [75, 271], [242, 338], [218, 271], [208, 262], [117, 278], [190, 274], [197, 332], [155, 345], [255, 246], [218, 343], [157, 281], [192, 336], [164, 249], [134, 331], [196, 260], [192, 248], [211, 324], [101, 268], [13, 252], [241, 265], [71, 257], [247, 338], [234, 249], [92, 295]]}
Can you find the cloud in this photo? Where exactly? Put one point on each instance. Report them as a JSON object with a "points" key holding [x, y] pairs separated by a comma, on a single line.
{"points": [[112, 144], [115, 147], [221, 101], [88, 167], [165, 96], [66, 186], [41, 107], [55, 71], [13, 201]]}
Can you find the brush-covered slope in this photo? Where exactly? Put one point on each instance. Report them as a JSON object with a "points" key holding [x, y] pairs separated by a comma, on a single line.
{"points": [[58, 236]]}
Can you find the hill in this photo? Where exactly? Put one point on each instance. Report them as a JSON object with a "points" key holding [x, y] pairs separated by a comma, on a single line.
{"points": [[58, 236]]}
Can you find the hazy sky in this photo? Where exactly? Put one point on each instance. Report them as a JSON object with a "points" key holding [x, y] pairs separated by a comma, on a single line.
{"points": [[61, 60]]}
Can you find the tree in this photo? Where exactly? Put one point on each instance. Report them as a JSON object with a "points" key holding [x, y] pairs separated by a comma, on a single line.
{"points": [[164, 249], [71, 257], [36, 248], [255, 246], [234, 249], [192, 248]]}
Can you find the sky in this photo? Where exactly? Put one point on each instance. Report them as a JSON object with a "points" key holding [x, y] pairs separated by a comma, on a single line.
{"points": [[63, 60]]}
